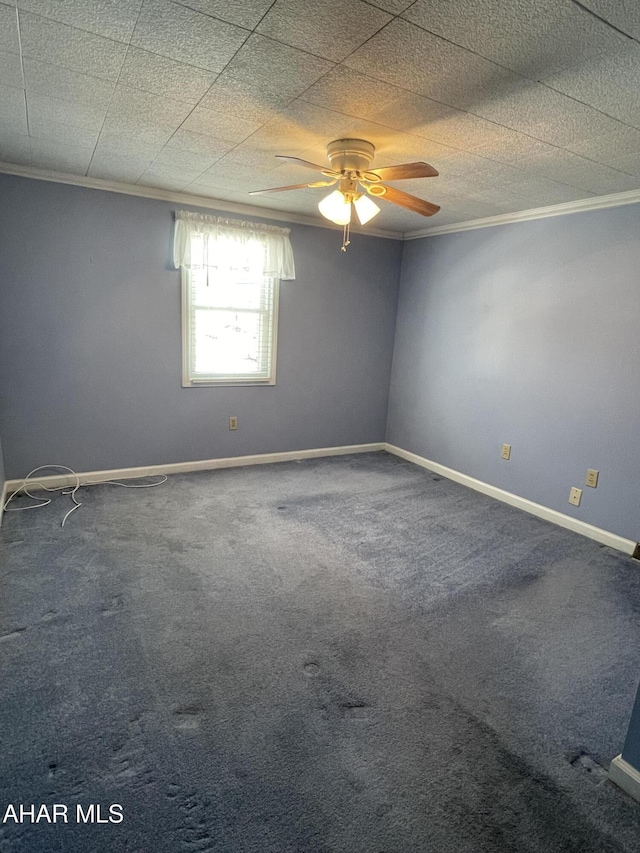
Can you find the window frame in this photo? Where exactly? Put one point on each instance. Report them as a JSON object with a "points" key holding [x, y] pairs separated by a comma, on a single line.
{"points": [[211, 380]]}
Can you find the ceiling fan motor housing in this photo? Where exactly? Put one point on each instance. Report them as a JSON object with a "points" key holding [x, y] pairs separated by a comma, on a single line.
{"points": [[350, 155]]}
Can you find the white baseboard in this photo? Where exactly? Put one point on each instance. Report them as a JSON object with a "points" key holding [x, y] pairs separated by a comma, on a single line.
{"points": [[603, 536], [625, 776], [197, 465]]}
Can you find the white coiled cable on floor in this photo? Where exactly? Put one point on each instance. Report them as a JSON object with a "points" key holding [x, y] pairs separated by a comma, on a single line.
{"points": [[28, 483]]}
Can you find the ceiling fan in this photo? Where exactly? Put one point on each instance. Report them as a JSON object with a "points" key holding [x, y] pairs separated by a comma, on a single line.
{"points": [[350, 160]]}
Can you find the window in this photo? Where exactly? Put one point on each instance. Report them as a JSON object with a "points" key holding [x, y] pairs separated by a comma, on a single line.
{"points": [[229, 329], [230, 283]]}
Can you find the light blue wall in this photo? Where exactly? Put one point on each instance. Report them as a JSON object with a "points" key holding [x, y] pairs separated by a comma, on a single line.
{"points": [[527, 334], [631, 751], [90, 373], [2, 480]]}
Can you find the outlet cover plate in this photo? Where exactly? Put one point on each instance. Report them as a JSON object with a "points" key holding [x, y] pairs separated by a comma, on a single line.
{"points": [[575, 496], [592, 478]]}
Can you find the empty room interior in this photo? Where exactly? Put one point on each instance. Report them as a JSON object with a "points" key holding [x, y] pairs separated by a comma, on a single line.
{"points": [[320, 426]]}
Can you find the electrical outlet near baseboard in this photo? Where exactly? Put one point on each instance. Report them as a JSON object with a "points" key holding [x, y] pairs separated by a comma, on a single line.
{"points": [[233, 422], [575, 496], [592, 478], [506, 451]]}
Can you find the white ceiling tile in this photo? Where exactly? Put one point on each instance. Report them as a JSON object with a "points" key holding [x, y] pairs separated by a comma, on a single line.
{"points": [[200, 143], [610, 147], [290, 71], [509, 198], [229, 175], [331, 29], [406, 56], [135, 135], [286, 135], [164, 179], [163, 76], [630, 163], [10, 70], [132, 105], [352, 93], [396, 7], [113, 19], [623, 14], [244, 100], [66, 85], [13, 114], [325, 123], [538, 191], [43, 128], [183, 161], [532, 38], [463, 130], [221, 125], [166, 170], [9, 39], [608, 83], [471, 209], [60, 157], [231, 171], [42, 108], [248, 155], [467, 167], [538, 111], [513, 147], [106, 150], [244, 13], [15, 148], [412, 113], [71, 48], [121, 169], [579, 172], [186, 36]]}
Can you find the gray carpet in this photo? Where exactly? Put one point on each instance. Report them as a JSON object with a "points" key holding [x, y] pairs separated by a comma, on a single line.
{"points": [[346, 654]]}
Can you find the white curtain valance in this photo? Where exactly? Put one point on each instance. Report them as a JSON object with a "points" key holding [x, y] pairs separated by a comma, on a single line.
{"points": [[211, 242]]}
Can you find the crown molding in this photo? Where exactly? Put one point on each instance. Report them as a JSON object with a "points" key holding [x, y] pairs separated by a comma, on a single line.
{"points": [[581, 206], [187, 198]]}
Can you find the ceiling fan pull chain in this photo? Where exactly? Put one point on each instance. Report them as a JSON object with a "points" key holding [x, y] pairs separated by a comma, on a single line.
{"points": [[346, 234]]}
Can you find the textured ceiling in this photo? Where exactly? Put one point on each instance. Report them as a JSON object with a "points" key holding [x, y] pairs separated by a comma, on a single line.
{"points": [[518, 103]]}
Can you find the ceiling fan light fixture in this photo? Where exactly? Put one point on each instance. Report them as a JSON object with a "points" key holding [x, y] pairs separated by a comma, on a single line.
{"points": [[336, 208], [366, 209]]}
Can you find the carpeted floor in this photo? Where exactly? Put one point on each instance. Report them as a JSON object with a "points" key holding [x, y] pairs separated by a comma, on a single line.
{"points": [[345, 655]]}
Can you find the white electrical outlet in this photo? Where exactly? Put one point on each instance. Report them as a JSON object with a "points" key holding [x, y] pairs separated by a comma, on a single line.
{"points": [[592, 478], [575, 496], [506, 451], [233, 422]]}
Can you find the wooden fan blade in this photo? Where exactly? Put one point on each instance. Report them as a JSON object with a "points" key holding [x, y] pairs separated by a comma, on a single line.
{"points": [[406, 170], [324, 169], [292, 187], [411, 202]]}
